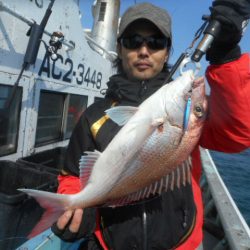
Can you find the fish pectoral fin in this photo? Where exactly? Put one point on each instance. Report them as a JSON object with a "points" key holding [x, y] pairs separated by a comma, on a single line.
{"points": [[121, 114], [87, 162]]}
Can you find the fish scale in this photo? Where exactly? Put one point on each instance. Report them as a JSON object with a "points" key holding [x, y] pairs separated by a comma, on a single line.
{"points": [[169, 182]]}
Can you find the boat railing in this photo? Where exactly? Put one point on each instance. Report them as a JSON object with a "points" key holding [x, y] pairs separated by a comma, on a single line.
{"points": [[220, 211]]}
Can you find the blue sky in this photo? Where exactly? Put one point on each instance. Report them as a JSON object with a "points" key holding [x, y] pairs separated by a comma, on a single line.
{"points": [[186, 19]]}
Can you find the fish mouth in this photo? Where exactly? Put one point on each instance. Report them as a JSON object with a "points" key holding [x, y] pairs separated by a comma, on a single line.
{"points": [[198, 82]]}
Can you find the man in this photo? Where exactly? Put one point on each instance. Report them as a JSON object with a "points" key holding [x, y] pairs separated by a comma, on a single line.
{"points": [[172, 220]]}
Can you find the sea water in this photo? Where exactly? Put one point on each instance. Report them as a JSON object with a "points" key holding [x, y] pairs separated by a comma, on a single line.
{"points": [[235, 172]]}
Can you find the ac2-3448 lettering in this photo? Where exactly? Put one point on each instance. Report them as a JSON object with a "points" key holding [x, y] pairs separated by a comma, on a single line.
{"points": [[82, 74]]}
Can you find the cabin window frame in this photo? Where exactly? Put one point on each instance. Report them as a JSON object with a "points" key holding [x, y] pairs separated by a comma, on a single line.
{"points": [[12, 122], [63, 131]]}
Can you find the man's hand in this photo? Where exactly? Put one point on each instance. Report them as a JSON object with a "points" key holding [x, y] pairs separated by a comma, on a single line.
{"points": [[233, 16], [75, 224], [231, 13], [68, 225]]}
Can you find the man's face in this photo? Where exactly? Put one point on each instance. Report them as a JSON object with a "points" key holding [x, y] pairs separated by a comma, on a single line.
{"points": [[142, 63]]}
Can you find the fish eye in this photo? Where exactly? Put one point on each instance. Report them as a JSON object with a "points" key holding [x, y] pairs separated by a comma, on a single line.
{"points": [[198, 110]]}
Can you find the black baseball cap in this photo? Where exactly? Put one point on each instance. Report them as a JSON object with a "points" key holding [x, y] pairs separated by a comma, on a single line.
{"points": [[158, 16]]}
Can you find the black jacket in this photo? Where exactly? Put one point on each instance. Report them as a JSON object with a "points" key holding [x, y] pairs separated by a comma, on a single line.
{"points": [[161, 222]]}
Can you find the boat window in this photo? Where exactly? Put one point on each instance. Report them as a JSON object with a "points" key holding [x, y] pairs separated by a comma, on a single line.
{"points": [[58, 114], [50, 117], [9, 120], [77, 104]]}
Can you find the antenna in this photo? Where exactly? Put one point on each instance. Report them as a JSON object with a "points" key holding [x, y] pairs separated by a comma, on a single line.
{"points": [[35, 33]]}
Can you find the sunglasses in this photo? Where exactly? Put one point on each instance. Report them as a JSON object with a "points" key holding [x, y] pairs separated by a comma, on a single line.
{"points": [[136, 41]]}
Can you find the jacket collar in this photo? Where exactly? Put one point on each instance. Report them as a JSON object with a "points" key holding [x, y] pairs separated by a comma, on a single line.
{"points": [[133, 92]]}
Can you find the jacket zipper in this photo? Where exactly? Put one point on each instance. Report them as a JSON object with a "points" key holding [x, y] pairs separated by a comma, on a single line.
{"points": [[144, 227], [143, 89], [187, 234]]}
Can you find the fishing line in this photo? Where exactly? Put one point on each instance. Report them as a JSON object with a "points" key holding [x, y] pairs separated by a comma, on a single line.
{"points": [[198, 33], [187, 52]]}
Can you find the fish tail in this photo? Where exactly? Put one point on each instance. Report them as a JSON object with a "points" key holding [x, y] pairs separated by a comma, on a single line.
{"points": [[54, 205]]}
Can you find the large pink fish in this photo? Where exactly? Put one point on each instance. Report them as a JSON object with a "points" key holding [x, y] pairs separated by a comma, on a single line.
{"points": [[149, 154]]}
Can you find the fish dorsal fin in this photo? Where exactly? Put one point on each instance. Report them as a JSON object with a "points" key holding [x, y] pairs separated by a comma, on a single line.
{"points": [[121, 114], [86, 164]]}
